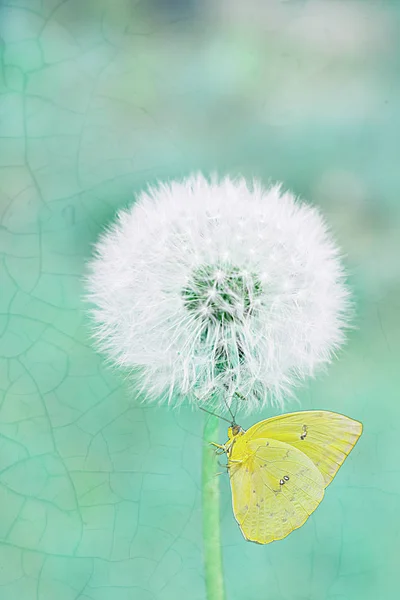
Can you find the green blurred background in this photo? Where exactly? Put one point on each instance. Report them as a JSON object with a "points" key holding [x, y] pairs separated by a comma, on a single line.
{"points": [[100, 495]]}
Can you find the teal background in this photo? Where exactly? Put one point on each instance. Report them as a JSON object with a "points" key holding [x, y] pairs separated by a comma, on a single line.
{"points": [[100, 494]]}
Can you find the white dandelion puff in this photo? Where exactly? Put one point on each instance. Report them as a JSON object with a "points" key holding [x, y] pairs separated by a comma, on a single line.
{"points": [[216, 288]]}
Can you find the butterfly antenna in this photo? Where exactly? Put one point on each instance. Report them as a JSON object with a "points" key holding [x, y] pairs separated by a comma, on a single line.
{"points": [[241, 397], [214, 414], [236, 406], [229, 408]]}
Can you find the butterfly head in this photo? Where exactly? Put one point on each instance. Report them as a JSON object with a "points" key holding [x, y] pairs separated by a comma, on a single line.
{"points": [[234, 431]]}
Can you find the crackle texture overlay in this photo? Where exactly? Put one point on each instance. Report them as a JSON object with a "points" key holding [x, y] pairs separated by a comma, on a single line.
{"points": [[100, 495]]}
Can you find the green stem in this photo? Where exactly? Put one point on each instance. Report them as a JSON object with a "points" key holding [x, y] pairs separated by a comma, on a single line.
{"points": [[211, 521]]}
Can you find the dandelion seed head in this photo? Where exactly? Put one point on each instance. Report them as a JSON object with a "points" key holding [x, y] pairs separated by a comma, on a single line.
{"points": [[216, 287]]}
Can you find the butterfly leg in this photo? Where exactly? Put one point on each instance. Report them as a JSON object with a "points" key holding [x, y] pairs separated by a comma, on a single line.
{"points": [[220, 448], [218, 445], [224, 467]]}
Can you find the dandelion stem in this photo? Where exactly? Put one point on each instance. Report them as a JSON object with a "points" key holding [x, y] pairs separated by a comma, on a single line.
{"points": [[211, 521]]}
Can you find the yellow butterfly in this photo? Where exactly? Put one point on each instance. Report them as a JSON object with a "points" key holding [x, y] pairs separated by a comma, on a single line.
{"points": [[280, 467]]}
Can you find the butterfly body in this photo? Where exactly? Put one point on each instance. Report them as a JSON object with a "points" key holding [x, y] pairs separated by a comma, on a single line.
{"points": [[280, 467]]}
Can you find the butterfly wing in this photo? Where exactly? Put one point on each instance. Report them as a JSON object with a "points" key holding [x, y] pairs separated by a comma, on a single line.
{"points": [[325, 437], [265, 508]]}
